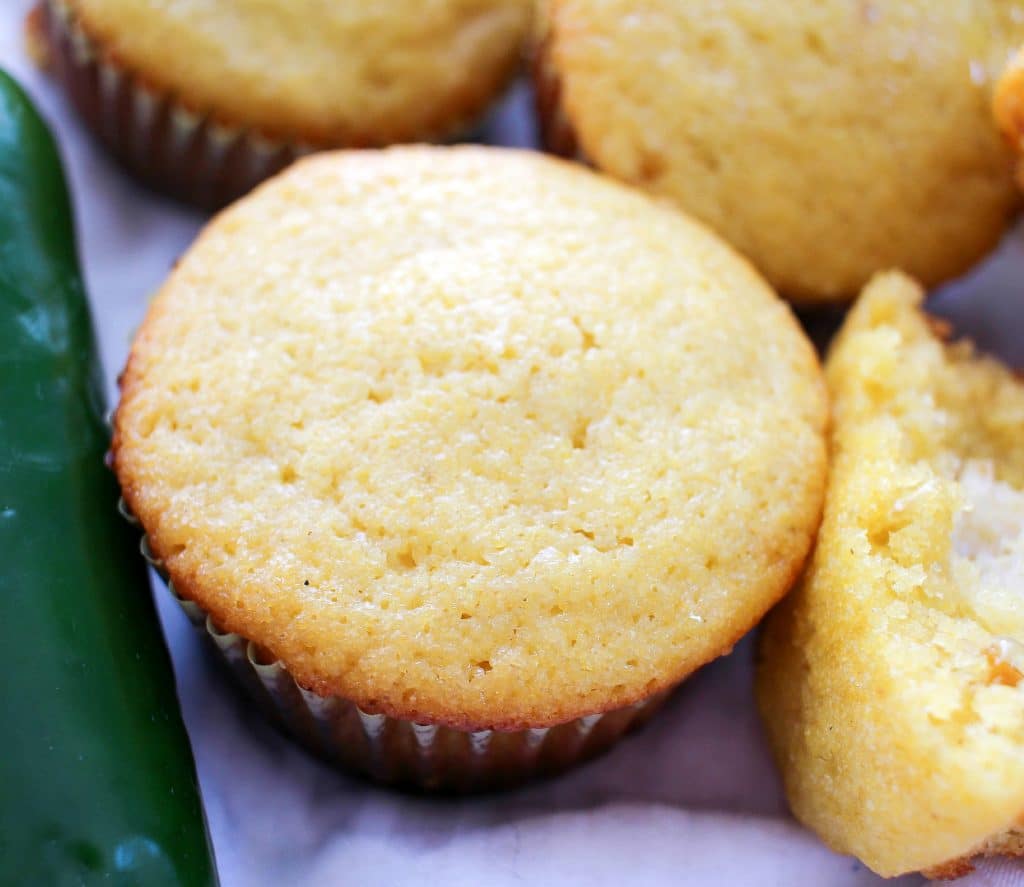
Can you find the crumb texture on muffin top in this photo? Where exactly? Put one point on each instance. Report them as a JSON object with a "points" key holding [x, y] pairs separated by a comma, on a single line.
{"points": [[472, 435], [891, 679], [825, 140], [324, 71]]}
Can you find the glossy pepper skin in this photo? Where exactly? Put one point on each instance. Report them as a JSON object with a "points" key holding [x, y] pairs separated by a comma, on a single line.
{"points": [[97, 783]]}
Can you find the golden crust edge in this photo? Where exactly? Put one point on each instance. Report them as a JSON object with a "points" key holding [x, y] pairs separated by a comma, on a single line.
{"points": [[1008, 845]]}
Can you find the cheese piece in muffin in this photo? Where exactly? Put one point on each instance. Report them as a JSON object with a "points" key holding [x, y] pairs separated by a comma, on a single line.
{"points": [[309, 73], [825, 140], [472, 437], [891, 679]]}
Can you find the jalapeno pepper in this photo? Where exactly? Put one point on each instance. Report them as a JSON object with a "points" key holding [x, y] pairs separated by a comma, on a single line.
{"points": [[97, 782]]}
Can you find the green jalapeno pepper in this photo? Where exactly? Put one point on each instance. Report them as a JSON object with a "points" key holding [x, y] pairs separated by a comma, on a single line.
{"points": [[97, 782]]}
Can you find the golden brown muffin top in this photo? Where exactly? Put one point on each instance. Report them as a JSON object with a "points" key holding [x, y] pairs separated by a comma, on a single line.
{"points": [[825, 140], [324, 71], [472, 435]]}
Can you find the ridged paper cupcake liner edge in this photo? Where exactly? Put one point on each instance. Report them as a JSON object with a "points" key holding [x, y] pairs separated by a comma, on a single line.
{"points": [[393, 751], [172, 149]]}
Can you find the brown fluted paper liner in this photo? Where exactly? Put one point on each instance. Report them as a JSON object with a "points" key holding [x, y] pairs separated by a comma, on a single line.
{"points": [[398, 752], [156, 138]]}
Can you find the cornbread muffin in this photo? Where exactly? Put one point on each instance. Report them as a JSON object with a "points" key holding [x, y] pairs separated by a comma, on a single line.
{"points": [[204, 97], [471, 437], [825, 140], [890, 680], [1009, 107]]}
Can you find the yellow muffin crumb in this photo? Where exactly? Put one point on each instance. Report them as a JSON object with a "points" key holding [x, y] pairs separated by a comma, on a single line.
{"points": [[890, 679], [826, 140], [324, 71], [472, 436]]}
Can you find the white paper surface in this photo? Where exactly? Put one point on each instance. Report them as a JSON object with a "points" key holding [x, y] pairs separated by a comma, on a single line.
{"points": [[692, 799]]}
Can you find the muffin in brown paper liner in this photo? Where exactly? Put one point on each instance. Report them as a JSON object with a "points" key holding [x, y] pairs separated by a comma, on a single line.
{"points": [[430, 548], [645, 102], [183, 149], [158, 140], [424, 756]]}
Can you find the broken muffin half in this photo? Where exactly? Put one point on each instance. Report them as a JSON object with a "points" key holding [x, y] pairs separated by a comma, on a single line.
{"points": [[890, 680]]}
